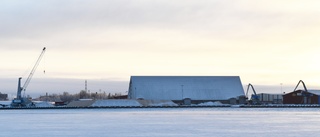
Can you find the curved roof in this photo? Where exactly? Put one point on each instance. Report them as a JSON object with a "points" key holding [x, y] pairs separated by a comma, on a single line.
{"points": [[181, 87]]}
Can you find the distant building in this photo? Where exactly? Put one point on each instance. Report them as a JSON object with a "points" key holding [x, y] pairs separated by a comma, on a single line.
{"points": [[266, 98], [302, 97], [186, 89], [3, 97], [120, 97]]}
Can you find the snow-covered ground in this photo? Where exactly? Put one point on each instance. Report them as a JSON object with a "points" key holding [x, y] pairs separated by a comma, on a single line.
{"points": [[129, 102], [116, 102], [36, 103], [217, 103], [162, 122], [43, 104], [7, 103]]}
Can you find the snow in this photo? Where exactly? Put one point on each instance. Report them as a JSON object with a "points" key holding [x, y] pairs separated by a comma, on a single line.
{"points": [[43, 104], [162, 122], [5, 103], [132, 102], [81, 103], [216, 103], [157, 103], [36, 103], [116, 102]]}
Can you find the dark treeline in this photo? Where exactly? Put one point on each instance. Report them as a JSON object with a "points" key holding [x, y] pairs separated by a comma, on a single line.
{"points": [[67, 97]]}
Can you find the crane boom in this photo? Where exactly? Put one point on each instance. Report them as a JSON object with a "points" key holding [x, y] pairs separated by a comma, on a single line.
{"points": [[304, 86], [33, 70], [254, 91], [254, 98], [19, 101]]}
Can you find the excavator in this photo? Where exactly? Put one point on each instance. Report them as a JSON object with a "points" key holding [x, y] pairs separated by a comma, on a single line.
{"points": [[20, 101], [254, 97]]}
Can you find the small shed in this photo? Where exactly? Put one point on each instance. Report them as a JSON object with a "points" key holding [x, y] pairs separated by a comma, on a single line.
{"points": [[302, 97]]}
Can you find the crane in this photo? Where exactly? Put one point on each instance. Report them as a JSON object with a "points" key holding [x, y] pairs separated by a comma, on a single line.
{"points": [[304, 86], [304, 93], [22, 101], [254, 96]]}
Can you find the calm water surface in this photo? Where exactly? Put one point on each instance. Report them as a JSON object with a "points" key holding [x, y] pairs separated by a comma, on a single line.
{"points": [[158, 122]]}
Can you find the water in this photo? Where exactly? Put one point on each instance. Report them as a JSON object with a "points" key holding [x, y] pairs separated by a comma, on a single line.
{"points": [[158, 122]]}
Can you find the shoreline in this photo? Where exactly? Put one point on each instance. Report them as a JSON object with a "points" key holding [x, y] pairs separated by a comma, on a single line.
{"points": [[134, 107]]}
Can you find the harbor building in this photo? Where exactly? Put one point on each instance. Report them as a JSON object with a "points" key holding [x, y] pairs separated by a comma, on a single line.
{"points": [[187, 89], [268, 98], [302, 97]]}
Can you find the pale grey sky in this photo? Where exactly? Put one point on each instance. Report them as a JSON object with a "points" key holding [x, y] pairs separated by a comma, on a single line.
{"points": [[265, 42]]}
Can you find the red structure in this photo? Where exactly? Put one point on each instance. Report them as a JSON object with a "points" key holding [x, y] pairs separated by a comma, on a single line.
{"points": [[301, 97]]}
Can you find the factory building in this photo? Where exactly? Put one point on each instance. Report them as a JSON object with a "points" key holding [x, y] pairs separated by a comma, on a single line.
{"points": [[266, 98], [302, 97], [187, 89]]}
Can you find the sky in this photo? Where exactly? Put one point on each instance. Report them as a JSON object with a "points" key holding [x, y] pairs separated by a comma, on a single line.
{"points": [[270, 43]]}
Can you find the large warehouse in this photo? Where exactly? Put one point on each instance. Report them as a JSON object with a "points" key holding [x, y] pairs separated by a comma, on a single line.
{"points": [[186, 89]]}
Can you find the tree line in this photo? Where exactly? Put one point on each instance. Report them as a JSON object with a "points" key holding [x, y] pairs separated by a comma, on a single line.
{"points": [[68, 97]]}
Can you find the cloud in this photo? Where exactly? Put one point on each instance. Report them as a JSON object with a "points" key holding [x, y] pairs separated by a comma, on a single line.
{"points": [[116, 39], [37, 22]]}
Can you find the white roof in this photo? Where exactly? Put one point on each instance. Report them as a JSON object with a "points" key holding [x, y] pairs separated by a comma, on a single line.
{"points": [[181, 87]]}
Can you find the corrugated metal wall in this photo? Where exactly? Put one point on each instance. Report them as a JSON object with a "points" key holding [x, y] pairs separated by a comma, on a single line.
{"points": [[300, 97], [264, 97], [181, 87]]}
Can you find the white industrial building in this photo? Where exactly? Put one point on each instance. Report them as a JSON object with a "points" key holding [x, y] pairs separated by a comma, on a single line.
{"points": [[186, 89]]}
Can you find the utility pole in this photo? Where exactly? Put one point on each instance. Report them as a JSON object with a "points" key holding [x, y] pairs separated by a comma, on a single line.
{"points": [[182, 91], [85, 86]]}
